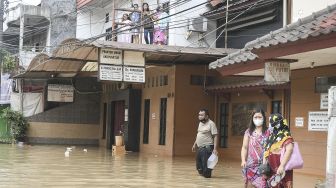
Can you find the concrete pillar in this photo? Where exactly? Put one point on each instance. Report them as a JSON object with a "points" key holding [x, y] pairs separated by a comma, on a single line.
{"points": [[331, 144]]}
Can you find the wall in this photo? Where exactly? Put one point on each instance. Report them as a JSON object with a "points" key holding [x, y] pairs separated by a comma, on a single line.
{"points": [[63, 19], [189, 99], [313, 144], [155, 93], [302, 9], [62, 133], [232, 152]]}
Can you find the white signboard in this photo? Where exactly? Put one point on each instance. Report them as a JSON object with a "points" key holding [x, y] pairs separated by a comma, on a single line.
{"points": [[110, 56], [318, 121], [324, 101], [299, 122], [132, 58], [134, 74], [277, 72], [110, 72], [60, 93]]}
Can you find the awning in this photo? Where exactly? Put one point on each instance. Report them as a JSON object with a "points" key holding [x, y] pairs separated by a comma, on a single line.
{"points": [[256, 83]]}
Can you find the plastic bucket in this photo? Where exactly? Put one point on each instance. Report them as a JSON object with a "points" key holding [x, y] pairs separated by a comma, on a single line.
{"points": [[119, 140]]}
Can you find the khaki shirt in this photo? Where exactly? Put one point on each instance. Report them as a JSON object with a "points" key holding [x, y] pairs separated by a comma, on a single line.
{"points": [[205, 133]]}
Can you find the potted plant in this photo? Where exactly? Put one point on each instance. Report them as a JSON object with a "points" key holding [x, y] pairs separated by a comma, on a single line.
{"points": [[17, 123]]}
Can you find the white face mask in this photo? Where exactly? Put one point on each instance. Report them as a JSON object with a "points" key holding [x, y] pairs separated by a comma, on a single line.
{"points": [[258, 122]]}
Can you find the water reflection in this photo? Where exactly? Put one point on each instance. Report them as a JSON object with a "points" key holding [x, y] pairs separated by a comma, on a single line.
{"points": [[46, 166]]}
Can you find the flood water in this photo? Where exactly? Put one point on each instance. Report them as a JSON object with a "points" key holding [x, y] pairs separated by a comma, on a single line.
{"points": [[47, 166]]}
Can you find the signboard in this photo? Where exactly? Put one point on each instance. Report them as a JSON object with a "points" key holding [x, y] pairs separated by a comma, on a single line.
{"points": [[318, 121], [60, 93], [132, 58], [277, 72], [134, 74], [110, 56], [299, 122], [110, 72], [324, 101]]}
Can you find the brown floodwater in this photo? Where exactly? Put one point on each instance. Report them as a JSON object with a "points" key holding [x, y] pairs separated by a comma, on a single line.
{"points": [[47, 166]]}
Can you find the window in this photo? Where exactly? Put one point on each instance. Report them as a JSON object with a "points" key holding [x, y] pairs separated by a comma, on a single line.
{"points": [[276, 107], [199, 80], [107, 17], [163, 114], [163, 80], [322, 84], [146, 121], [104, 121], [108, 37], [223, 124]]}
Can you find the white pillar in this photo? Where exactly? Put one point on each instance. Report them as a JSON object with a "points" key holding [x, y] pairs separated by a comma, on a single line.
{"points": [[331, 145]]}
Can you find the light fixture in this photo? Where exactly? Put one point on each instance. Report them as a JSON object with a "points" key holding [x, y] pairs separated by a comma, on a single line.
{"points": [[312, 64]]}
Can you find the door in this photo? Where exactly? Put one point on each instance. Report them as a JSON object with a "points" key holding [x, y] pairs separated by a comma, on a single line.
{"points": [[117, 121]]}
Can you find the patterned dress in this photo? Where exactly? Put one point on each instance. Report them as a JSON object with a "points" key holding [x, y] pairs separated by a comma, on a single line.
{"points": [[254, 159]]}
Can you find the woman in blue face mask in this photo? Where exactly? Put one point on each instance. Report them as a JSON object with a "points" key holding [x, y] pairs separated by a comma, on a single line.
{"points": [[252, 150]]}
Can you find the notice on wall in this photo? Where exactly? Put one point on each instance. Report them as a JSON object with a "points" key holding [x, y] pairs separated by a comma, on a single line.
{"points": [[299, 122], [324, 101], [134, 74], [110, 72], [110, 56], [277, 72], [318, 121], [132, 58], [153, 116], [60, 93]]}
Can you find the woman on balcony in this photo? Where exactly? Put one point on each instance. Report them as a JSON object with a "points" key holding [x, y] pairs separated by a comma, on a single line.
{"points": [[161, 27], [124, 32]]}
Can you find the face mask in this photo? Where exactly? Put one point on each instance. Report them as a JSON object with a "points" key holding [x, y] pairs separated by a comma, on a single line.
{"points": [[258, 122]]}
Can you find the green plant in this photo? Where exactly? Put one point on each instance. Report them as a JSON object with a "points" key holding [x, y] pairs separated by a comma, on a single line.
{"points": [[9, 63], [17, 122]]}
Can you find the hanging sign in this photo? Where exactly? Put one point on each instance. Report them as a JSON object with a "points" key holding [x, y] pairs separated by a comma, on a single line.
{"points": [[134, 74], [110, 56], [299, 122], [277, 72], [110, 72]]}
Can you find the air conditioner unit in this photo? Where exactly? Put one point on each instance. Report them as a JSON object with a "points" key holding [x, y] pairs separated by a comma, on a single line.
{"points": [[198, 24]]}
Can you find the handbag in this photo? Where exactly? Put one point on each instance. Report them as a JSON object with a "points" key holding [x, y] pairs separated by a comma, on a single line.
{"points": [[295, 161]]}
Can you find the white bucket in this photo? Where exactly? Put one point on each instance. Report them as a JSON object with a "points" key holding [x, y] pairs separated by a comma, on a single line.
{"points": [[119, 140]]}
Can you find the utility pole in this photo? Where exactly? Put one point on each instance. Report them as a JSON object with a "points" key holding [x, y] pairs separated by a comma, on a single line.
{"points": [[226, 20], [2, 10]]}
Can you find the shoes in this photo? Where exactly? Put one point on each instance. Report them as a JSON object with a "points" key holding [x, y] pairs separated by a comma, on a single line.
{"points": [[275, 179]]}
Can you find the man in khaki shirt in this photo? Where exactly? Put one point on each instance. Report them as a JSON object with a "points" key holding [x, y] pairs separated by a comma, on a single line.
{"points": [[206, 142]]}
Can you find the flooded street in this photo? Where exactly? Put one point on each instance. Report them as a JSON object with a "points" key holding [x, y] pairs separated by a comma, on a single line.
{"points": [[46, 166]]}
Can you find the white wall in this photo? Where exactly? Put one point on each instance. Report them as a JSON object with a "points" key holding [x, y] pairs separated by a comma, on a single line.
{"points": [[303, 8], [91, 21]]}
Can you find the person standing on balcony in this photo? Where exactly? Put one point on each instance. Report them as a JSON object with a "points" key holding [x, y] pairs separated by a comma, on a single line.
{"points": [[161, 27], [148, 23], [206, 142], [136, 19], [125, 33]]}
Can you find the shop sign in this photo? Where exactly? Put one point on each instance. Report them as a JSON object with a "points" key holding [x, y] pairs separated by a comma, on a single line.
{"points": [[134, 74], [318, 121], [299, 122], [110, 56], [324, 101], [110, 72], [277, 72], [132, 58], [60, 93]]}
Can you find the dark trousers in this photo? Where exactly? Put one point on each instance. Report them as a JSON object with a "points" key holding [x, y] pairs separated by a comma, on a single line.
{"points": [[148, 34], [202, 156]]}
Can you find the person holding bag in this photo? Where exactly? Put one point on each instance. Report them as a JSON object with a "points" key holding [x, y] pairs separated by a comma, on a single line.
{"points": [[278, 151]]}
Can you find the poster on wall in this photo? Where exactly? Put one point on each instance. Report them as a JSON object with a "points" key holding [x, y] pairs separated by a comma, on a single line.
{"points": [[318, 121], [299, 122], [241, 116], [60, 93], [324, 101]]}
